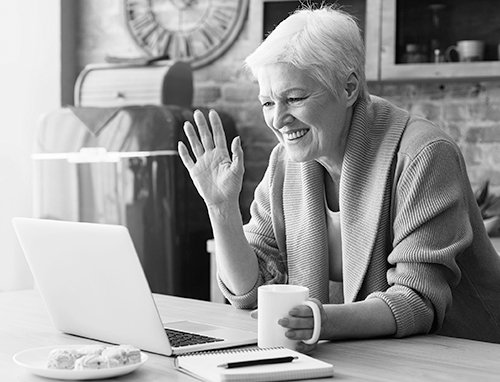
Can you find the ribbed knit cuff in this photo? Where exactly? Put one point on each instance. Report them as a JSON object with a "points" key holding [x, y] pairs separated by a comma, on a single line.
{"points": [[401, 310], [244, 301]]}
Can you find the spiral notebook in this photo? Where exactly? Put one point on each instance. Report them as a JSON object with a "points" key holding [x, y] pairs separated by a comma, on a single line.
{"points": [[212, 366]]}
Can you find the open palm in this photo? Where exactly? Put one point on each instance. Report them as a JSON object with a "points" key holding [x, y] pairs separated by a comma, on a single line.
{"points": [[217, 177]]}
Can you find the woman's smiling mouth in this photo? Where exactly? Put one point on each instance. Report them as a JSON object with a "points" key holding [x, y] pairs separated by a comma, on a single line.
{"points": [[295, 135]]}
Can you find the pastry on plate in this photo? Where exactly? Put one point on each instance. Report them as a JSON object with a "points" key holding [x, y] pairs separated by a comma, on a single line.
{"points": [[90, 350], [116, 355], [92, 361], [133, 354], [62, 359], [93, 357]]}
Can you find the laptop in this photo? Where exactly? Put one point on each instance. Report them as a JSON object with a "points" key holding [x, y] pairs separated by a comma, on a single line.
{"points": [[93, 285]]}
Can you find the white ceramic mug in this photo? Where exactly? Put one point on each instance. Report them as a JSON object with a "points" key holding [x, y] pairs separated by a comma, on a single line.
{"points": [[467, 50], [275, 301]]}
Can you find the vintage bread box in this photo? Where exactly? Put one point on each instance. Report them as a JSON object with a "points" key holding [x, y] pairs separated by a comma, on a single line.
{"points": [[112, 85]]}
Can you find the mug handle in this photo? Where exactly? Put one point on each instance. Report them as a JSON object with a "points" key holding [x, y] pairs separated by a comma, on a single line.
{"points": [[317, 323], [447, 54]]}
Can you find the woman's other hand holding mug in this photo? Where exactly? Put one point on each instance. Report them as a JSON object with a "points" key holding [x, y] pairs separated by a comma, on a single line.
{"points": [[288, 318]]}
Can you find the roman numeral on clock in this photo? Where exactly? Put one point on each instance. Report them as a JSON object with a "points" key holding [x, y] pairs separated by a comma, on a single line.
{"points": [[195, 31]]}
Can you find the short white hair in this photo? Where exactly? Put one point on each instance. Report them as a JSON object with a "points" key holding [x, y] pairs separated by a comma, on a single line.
{"points": [[325, 41]]}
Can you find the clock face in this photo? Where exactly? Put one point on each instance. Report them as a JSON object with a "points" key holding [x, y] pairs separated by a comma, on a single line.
{"points": [[196, 31]]}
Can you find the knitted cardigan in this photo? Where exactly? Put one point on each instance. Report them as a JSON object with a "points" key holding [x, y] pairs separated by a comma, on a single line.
{"points": [[412, 234]]}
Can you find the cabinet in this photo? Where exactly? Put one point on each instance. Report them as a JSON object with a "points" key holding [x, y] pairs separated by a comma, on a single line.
{"points": [[389, 25], [395, 23]]}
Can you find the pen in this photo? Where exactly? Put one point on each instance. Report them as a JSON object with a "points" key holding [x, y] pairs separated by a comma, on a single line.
{"points": [[256, 362]]}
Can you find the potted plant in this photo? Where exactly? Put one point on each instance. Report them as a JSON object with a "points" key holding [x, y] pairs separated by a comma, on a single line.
{"points": [[489, 205]]}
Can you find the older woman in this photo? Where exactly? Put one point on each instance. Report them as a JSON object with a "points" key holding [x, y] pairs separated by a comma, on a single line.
{"points": [[368, 206]]}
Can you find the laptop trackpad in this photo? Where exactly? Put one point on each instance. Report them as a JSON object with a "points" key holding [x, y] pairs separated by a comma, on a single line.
{"points": [[189, 326]]}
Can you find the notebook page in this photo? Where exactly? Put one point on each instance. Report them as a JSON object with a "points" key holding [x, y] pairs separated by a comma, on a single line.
{"points": [[205, 366]]}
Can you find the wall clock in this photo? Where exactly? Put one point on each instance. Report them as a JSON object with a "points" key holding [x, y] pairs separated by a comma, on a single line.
{"points": [[195, 31]]}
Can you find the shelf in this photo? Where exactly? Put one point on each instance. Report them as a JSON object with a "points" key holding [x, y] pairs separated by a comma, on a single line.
{"points": [[486, 70], [379, 21], [392, 71]]}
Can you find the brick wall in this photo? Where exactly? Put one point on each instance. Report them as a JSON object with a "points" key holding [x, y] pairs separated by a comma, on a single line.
{"points": [[470, 112]]}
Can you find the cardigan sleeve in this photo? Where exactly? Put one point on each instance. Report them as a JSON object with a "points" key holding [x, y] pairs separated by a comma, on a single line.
{"points": [[261, 233], [431, 229]]}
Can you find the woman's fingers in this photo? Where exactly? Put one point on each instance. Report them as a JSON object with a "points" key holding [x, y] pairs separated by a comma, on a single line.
{"points": [[217, 129], [300, 323], [305, 348], [206, 140], [205, 135], [237, 159], [193, 139], [184, 154], [299, 334], [297, 323]]}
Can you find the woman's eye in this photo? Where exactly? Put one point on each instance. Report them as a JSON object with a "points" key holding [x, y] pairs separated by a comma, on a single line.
{"points": [[267, 104], [295, 99]]}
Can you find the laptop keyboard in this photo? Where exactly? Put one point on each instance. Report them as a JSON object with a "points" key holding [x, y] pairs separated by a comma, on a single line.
{"points": [[179, 339]]}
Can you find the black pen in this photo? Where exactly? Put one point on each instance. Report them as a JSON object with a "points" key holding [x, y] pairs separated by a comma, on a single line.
{"points": [[256, 362]]}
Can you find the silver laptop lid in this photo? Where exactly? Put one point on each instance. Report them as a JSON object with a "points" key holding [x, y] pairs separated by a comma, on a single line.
{"points": [[92, 282]]}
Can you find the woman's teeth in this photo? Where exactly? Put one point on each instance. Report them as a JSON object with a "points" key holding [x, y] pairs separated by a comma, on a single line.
{"points": [[295, 134]]}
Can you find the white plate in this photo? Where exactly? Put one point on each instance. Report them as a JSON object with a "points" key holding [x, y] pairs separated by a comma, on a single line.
{"points": [[35, 360]]}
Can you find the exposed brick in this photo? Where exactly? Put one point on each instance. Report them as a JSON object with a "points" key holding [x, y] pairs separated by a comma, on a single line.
{"points": [[220, 73], [477, 176], [477, 110], [489, 134], [466, 90], [456, 112], [427, 110], [451, 129], [493, 154], [249, 113], [240, 92], [473, 155], [206, 94], [492, 112], [492, 91]]}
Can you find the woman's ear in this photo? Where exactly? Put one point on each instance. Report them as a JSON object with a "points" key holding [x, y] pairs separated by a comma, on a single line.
{"points": [[352, 88]]}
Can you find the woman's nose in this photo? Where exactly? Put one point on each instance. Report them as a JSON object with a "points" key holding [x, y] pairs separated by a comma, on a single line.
{"points": [[282, 117]]}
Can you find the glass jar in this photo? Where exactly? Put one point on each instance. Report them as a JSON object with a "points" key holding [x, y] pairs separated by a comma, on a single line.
{"points": [[414, 53]]}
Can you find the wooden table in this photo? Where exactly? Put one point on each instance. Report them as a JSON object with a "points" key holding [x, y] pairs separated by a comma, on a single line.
{"points": [[25, 324]]}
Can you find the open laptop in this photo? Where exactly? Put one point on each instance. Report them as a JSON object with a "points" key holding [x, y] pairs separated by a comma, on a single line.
{"points": [[93, 286]]}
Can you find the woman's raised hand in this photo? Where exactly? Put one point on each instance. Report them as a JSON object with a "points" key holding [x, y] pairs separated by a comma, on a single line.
{"points": [[217, 176]]}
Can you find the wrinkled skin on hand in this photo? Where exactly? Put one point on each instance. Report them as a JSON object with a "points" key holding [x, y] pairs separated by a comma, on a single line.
{"points": [[218, 177]]}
